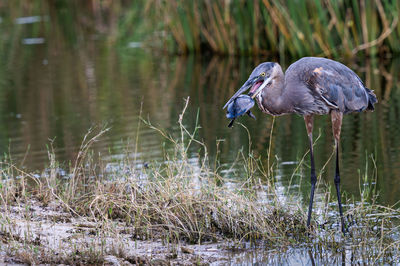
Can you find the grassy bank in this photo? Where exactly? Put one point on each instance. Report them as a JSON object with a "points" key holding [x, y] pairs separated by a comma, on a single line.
{"points": [[298, 28], [95, 212]]}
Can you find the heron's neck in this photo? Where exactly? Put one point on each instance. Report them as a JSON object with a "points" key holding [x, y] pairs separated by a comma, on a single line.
{"points": [[272, 99]]}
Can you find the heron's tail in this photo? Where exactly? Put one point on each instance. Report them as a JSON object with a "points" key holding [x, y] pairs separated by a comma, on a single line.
{"points": [[371, 99]]}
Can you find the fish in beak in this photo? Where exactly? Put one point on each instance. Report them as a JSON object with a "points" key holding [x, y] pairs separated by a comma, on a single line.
{"points": [[255, 84], [238, 107]]}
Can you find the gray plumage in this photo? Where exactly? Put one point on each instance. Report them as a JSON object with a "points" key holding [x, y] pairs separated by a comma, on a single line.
{"points": [[318, 85], [310, 86]]}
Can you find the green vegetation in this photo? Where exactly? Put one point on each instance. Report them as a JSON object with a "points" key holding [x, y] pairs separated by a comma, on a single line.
{"points": [[298, 28], [178, 201]]}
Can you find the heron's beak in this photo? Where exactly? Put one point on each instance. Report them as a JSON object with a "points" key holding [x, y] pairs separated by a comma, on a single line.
{"points": [[244, 88], [262, 86]]}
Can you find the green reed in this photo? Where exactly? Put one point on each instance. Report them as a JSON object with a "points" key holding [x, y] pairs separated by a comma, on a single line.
{"points": [[297, 28]]}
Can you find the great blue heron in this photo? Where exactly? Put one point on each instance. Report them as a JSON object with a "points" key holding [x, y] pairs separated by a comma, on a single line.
{"points": [[310, 86]]}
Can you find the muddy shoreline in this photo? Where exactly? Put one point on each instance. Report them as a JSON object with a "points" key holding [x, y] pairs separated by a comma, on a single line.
{"points": [[36, 234]]}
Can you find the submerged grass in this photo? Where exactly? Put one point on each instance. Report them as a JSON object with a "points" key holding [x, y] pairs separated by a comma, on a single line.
{"points": [[181, 200]]}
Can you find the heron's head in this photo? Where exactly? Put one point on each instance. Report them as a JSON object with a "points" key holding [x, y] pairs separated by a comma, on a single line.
{"points": [[261, 76]]}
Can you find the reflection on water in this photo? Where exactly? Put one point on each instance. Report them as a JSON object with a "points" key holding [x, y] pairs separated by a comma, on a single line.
{"points": [[301, 257]]}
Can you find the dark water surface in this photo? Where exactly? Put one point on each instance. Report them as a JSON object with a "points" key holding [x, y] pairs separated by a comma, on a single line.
{"points": [[54, 89]]}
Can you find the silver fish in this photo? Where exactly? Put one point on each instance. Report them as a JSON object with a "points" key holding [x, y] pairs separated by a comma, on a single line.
{"points": [[240, 105]]}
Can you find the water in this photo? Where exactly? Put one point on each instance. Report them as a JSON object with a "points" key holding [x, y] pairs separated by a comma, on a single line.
{"points": [[55, 95], [55, 86]]}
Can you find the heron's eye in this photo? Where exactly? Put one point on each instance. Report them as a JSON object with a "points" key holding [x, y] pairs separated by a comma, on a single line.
{"points": [[262, 74]]}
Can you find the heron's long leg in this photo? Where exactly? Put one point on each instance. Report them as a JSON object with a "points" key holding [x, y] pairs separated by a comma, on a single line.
{"points": [[336, 128], [308, 119], [337, 184]]}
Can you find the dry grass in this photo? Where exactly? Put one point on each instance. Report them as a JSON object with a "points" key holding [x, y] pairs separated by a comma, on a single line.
{"points": [[181, 201]]}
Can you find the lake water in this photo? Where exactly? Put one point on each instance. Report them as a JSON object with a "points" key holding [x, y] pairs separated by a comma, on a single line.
{"points": [[53, 91], [56, 93]]}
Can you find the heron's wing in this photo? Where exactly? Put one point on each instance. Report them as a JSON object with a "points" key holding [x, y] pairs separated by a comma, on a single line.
{"points": [[339, 87]]}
